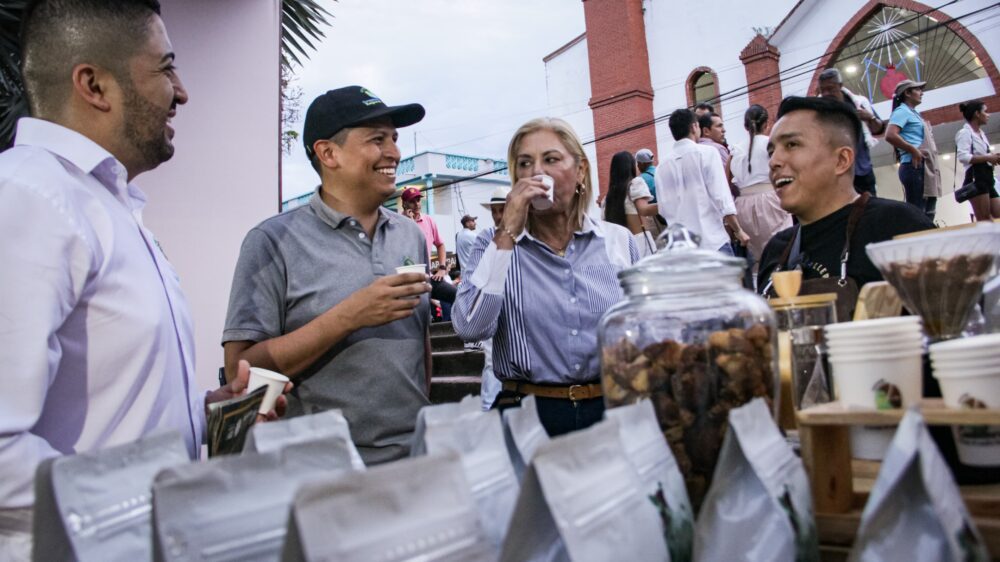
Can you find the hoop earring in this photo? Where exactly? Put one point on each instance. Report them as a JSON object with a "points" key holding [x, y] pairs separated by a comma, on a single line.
{"points": [[579, 188]]}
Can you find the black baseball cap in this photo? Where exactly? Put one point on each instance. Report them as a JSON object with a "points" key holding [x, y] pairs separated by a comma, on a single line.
{"points": [[348, 107]]}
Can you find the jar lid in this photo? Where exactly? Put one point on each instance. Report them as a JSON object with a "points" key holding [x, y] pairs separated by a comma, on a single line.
{"points": [[803, 301], [682, 263]]}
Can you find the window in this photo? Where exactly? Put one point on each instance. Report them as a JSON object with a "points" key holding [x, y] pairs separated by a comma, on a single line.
{"points": [[896, 44], [702, 86]]}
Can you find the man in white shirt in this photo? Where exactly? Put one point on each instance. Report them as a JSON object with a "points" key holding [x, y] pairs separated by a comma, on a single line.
{"points": [[691, 187], [464, 240], [97, 342]]}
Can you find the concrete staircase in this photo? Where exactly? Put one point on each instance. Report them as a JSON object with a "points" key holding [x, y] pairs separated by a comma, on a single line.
{"points": [[457, 371]]}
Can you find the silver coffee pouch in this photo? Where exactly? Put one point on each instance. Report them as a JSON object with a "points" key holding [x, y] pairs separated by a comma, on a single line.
{"points": [[582, 500], [273, 436], [236, 507], [915, 512], [478, 439], [412, 509], [759, 506], [663, 483], [96, 505], [523, 433]]}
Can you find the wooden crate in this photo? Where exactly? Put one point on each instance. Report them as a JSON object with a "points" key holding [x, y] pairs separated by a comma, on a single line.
{"points": [[840, 485]]}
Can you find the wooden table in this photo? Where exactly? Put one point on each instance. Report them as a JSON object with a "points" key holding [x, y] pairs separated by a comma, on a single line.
{"points": [[840, 484]]}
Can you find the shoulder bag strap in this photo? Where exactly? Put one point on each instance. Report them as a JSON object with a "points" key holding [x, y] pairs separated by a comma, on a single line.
{"points": [[852, 222]]}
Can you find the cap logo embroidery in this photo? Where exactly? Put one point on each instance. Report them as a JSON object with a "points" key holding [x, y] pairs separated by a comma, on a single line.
{"points": [[373, 99]]}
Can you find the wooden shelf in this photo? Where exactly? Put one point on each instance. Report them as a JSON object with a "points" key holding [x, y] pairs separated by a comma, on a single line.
{"points": [[933, 411], [840, 484]]}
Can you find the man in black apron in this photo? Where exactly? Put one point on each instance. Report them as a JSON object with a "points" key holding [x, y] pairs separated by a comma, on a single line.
{"points": [[812, 148]]}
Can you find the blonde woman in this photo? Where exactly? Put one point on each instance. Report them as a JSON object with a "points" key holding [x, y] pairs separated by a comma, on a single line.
{"points": [[539, 282]]}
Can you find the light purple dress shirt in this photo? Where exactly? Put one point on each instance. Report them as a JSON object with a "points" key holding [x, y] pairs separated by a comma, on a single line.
{"points": [[96, 338]]}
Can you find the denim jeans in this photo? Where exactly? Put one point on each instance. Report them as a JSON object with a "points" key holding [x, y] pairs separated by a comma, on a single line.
{"points": [[558, 416], [912, 179]]}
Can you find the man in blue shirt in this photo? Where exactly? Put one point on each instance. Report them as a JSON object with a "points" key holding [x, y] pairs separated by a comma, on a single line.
{"points": [[831, 85]]}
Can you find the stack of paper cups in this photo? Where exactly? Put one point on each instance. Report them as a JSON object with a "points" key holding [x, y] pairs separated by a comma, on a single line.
{"points": [[969, 373], [876, 364]]}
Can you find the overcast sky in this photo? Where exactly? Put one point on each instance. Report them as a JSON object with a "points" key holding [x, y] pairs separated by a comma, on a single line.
{"points": [[475, 65]]}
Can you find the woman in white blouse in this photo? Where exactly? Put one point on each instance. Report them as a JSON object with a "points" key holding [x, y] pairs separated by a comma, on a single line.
{"points": [[973, 150], [628, 200], [757, 208]]}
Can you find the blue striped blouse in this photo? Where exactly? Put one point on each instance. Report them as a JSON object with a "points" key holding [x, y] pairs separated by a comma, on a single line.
{"points": [[541, 309]]}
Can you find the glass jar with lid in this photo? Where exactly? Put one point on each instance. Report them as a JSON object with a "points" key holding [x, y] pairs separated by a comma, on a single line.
{"points": [[801, 343], [690, 338]]}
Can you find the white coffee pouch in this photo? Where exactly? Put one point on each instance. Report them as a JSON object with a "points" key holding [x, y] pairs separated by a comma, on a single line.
{"points": [[582, 500], [96, 506], [523, 433], [663, 483], [273, 436], [915, 512], [236, 507], [477, 437], [412, 509], [759, 506]]}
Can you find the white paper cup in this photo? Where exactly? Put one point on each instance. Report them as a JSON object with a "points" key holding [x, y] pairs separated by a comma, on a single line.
{"points": [[412, 268], [877, 351], [889, 382], [977, 445], [275, 383], [860, 382], [543, 203], [903, 334], [877, 325]]}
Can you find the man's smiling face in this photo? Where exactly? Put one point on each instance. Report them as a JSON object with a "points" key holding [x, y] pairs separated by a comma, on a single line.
{"points": [[369, 156], [803, 162]]}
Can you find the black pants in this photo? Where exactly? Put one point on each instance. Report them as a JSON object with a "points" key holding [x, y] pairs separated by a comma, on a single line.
{"points": [[443, 291], [865, 183], [559, 416], [912, 179]]}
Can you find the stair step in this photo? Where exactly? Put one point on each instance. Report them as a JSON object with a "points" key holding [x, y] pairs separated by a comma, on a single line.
{"points": [[453, 389], [458, 363], [447, 343], [441, 329]]}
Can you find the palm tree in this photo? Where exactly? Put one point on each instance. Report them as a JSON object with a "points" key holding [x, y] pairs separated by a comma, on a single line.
{"points": [[12, 101], [301, 24]]}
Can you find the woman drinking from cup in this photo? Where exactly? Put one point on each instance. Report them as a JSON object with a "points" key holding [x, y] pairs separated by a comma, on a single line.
{"points": [[540, 281]]}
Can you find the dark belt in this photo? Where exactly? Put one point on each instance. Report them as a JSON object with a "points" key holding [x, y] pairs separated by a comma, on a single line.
{"points": [[574, 392]]}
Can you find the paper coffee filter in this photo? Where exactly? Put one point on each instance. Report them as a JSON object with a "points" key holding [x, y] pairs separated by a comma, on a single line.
{"points": [[940, 275]]}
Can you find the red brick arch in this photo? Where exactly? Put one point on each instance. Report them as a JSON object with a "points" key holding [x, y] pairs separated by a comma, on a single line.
{"points": [[934, 116], [693, 77]]}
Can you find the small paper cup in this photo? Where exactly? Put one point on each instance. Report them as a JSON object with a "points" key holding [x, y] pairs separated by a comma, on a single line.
{"points": [[546, 202], [869, 382], [275, 383], [413, 268], [859, 383], [977, 445]]}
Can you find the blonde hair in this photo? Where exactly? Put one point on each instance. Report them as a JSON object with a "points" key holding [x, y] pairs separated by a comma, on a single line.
{"points": [[570, 141]]}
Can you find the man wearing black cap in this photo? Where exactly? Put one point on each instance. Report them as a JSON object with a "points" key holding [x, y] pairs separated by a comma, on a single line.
{"points": [[316, 295]]}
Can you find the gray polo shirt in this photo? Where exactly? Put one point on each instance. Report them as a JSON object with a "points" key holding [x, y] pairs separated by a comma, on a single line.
{"points": [[297, 265]]}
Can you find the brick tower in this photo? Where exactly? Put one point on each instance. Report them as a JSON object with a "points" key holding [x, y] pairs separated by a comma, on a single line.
{"points": [[621, 90]]}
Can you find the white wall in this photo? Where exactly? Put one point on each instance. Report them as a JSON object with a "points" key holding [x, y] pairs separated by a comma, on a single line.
{"points": [[567, 83], [681, 37], [223, 178], [810, 35]]}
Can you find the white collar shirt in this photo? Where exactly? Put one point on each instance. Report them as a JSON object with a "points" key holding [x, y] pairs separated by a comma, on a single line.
{"points": [[691, 190], [95, 333]]}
